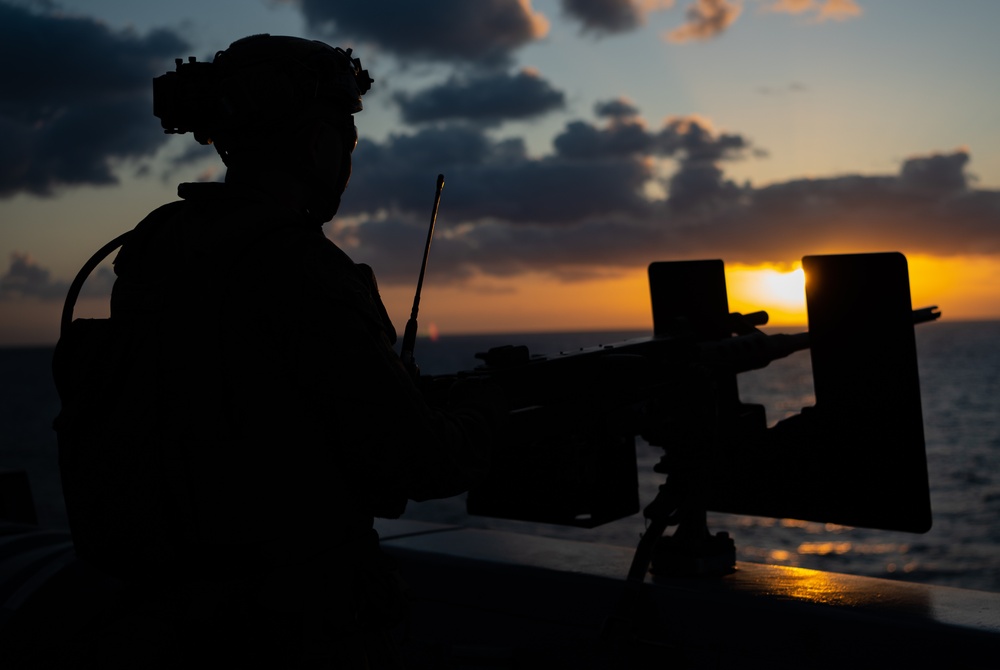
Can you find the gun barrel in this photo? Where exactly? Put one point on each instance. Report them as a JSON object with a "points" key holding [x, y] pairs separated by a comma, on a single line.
{"points": [[620, 371], [926, 314], [757, 350]]}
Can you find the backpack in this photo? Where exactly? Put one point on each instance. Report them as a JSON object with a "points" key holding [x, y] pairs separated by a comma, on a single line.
{"points": [[124, 512]]}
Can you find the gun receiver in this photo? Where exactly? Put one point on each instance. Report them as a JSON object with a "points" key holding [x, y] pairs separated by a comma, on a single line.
{"points": [[534, 381], [856, 458]]}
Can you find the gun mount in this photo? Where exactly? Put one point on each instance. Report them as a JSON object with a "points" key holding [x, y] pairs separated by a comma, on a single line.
{"points": [[856, 458]]}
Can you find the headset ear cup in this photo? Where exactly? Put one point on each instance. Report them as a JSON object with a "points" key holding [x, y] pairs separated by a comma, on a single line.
{"points": [[330, 194], [332, 143], [346, 166], [330, 169]]}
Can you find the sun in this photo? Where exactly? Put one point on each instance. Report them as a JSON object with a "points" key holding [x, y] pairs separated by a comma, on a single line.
{"points": [[778, 290], [785, 289]]}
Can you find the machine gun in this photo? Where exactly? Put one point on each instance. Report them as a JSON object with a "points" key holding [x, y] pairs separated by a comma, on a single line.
{"points": [[856, 458]]}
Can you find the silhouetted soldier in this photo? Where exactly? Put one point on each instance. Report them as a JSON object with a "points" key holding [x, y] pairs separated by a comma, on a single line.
{"points": [[265, 417]]}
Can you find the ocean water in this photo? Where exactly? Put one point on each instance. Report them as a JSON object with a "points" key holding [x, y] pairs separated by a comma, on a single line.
{"points": [[960, 382]]}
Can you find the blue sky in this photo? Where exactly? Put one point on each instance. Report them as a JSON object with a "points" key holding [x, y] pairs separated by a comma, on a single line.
{"points": [[581, 140]]}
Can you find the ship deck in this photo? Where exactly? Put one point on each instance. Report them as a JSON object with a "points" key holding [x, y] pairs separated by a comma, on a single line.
{"points": [[484, 598]]}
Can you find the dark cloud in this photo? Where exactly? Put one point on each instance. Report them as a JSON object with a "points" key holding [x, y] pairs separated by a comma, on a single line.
{"points": [[583, 141], [391, 175], [555, 191], [856, 213], [26, 279], [694, 136], [607, 17], [706, 19], [488, 99], [604, 16], [493, 223], [619, 108], [493, 248], [700, 184], [80, 145], [935, 214], [691, 136], [485, 31], [492, 179], [938, 172], [504, 211], [74, 98], [595, 172]]}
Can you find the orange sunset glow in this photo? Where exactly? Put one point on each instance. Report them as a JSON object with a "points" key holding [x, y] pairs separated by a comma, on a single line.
{"points": [[964, 288]]}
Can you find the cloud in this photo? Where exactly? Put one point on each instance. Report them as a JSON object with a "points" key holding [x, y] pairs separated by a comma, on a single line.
{"points": [[822, 10], [691, 136], [581, 140], [582, 211], [485, 31], [619, 108], [936, 172], [839, 9], [77, 101], [488, 99], [603, 17], [695, 136], [705, 19], [698, 182], [923, 209], [26, 279], [504, 211], [594, 171], [494, 179]]}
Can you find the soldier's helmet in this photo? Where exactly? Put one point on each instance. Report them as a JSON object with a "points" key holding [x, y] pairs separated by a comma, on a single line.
{"points": [[260, 85]]}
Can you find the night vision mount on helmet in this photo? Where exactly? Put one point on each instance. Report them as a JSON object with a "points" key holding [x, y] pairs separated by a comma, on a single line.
{"points": [[259, 84]]}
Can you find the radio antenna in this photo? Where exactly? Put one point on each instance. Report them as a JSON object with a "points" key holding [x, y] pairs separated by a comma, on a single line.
{"points": [[410, 334]]}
